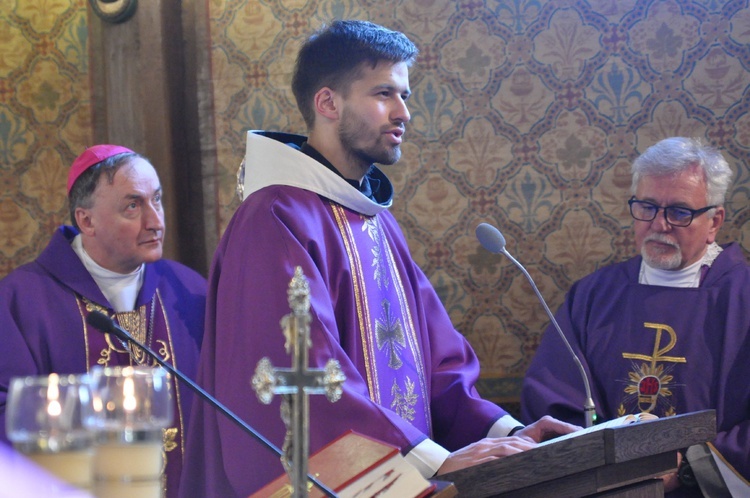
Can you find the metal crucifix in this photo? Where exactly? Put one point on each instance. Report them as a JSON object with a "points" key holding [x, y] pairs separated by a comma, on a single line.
{"points": [[295, 383]]}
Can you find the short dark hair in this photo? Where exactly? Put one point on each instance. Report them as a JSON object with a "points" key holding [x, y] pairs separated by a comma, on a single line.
{"points": [[83, 189], [334, 55]]}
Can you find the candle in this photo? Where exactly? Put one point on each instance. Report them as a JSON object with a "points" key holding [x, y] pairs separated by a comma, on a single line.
{"points": [[116, 460], [74, 466], [123, 470], [140, 489]]}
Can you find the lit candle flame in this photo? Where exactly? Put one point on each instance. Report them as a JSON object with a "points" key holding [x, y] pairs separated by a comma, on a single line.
{"points": [[128, 393], [53, 396]]}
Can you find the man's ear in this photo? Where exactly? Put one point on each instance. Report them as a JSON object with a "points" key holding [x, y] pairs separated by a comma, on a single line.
{"points": [[84, 221], [325, 104], [716, 221]]}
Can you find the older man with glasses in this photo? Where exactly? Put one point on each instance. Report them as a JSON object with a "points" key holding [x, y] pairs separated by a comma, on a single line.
{"points": [[666, 332]]}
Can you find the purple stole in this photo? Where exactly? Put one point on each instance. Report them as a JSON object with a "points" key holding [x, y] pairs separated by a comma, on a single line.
{"points": [[393, 362], [149, 325], [653, 365]]}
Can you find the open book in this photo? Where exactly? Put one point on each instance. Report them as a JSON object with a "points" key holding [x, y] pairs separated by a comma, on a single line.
{"points": [[631, 418], [354, 465]]}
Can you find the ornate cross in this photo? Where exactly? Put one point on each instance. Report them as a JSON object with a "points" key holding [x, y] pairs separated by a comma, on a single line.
{"points": [[295, 383]]}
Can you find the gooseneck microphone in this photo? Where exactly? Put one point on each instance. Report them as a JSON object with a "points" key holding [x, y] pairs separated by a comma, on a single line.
{"points": [[103, 323], [492, 240]]}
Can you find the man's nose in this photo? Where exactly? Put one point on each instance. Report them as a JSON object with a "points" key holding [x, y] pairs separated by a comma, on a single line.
{"points": [[401, 112], [659, 223], [153, 217]]}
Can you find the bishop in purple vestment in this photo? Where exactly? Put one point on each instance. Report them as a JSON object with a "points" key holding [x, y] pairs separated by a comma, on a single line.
{"points": [[115, 269]]}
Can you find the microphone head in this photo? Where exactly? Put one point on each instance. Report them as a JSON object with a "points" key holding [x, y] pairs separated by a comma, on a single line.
{"points": [[490, 238], [105, 324], [100, 321]]}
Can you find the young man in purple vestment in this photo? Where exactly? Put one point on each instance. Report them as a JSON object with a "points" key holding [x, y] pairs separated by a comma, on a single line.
{"points": [[321, 203], [109, 261], [666, 332]]}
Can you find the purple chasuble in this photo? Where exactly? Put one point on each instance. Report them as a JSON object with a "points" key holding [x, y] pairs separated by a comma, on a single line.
{"points": [[44, 329], [661, 350], [409, 374]]}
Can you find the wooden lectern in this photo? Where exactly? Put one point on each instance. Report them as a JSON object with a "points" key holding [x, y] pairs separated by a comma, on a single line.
{"points": [[617, 462]]}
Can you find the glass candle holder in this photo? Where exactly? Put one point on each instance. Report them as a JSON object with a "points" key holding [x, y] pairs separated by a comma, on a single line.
{"points": [[132, 407], [47, 419]]}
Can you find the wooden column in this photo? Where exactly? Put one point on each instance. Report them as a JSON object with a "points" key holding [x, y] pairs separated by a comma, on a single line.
{"points": [[144, 85]]}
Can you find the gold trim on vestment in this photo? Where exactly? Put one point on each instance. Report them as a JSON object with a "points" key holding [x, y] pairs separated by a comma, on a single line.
{"points": [[359, 292], [169, 354], [404, 398], [79, 304]]}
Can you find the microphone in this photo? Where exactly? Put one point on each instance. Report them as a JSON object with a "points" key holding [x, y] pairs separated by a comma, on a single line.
{"points": [[103, 323], [492, 240]]}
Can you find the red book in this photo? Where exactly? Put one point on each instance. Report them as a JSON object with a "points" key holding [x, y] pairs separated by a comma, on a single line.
{"points": [[356, 466]]}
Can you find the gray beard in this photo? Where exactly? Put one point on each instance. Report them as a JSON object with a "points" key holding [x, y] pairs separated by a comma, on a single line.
{"points": [[661, 262]]}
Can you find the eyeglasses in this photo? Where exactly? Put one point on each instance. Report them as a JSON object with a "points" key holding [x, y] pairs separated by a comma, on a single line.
{"points": [[676, 216]]}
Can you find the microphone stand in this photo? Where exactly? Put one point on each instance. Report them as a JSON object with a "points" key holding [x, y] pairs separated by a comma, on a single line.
{"points": [[589, 410], [104, 324], [493, 240]]}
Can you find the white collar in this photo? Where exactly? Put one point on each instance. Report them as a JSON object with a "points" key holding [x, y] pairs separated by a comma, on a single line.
{"points": [[688, 277], [270, 162], [121, 290]]}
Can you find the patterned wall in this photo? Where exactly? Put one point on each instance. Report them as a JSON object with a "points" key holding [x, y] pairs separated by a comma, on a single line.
{"points": [[45, 119], [525, 114]]}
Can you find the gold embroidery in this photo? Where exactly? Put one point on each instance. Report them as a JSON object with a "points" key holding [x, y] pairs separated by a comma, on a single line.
{"points": [[379, 268], [403, 402], [650, 381], [410, 333], [167, 352], [104, 357], [163, 350], [113, 346], [91, 306], [170, 436], [141, 329], [367, 321], [379, 271], [169, 443], [390, 336], [136, 324], [371, 226], [658, 353]]}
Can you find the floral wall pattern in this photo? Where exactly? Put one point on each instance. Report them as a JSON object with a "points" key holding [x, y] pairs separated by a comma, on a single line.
{"points": [[525, 114], [45, 120]]}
